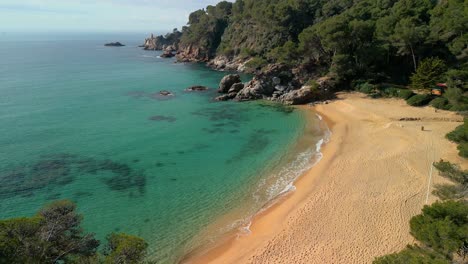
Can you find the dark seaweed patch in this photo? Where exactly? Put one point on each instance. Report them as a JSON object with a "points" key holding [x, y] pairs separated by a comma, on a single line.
{"points": [[53, 171], [160, 164], [257, 143], [226, 114], [169, 119], [81, 194], [285, 109], [162, 95], [54, 196], [213, 130]]}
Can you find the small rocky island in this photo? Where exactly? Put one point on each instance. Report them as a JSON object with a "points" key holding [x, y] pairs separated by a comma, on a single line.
{"points": [[114, 44]]}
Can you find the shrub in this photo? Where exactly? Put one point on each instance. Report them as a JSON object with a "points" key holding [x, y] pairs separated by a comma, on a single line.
{"points": [[463, 149], [419, 100], [256, 63], [440, 103], [366, 88], [460, 134], [123, 248], [457, 100], [429, 72], [405, 93], [413, 254], [442, 226]]}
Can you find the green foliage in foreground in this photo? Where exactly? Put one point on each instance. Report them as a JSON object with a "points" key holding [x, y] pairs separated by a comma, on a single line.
{"points": [[460, 136], [413, 255], [54, 235], [419, 100], [123, 248], [459, 189], [443, 226]]}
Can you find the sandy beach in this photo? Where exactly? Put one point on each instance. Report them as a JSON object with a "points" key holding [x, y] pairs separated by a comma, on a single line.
{"points": [[356, 203]]}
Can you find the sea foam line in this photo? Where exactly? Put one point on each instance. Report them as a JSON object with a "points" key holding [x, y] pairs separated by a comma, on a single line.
{"points": [[303, 159]]}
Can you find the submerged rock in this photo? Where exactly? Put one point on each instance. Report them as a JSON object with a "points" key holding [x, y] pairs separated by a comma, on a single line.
{"points": [[165, 93], [114, 44], [196, 88]]}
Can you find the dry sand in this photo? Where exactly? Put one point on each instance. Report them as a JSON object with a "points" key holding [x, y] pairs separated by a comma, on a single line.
{"points": [[356, 203]]}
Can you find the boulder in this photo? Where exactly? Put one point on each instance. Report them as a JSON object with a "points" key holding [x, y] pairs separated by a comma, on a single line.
{"points": [[235, 88], [295, 97], [227, 82], [226, 97], [167, 54]]}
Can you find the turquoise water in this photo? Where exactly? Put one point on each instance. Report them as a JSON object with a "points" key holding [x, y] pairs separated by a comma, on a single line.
{"points": [[83, 122]]}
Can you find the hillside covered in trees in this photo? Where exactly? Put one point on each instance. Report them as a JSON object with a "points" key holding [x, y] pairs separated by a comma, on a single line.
{"points": [[348, 41]]}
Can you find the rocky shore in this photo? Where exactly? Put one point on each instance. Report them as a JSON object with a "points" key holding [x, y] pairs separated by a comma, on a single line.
{"points": [[275, 82]]}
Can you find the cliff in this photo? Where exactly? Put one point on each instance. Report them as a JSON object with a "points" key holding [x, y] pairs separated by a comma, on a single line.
{"points": [[170, 40]]}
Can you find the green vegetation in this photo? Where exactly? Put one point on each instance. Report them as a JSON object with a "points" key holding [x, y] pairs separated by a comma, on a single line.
{"points": [[443, 226], [123, 248], [54, 235], [413, 255], [419, 100], [442, 229], [406, 42], [429, 72], [460, 136]]}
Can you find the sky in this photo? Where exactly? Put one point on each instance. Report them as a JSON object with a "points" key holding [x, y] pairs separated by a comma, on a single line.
{"points": [[96, 15]]}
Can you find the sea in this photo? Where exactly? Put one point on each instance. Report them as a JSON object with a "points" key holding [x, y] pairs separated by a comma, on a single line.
{"points": [[87, 123]]}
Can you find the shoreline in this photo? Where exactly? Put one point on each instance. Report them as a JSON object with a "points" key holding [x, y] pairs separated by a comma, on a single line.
{"points": [[296, 227], [305, 143]]}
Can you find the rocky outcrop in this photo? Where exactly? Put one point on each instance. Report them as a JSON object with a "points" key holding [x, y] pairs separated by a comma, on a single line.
{"points": [[299, 96], [227, 82], [167, 54], [192, 53], [114, 44], [273, 81], [224, 63], [235, 88], [163, 42]]}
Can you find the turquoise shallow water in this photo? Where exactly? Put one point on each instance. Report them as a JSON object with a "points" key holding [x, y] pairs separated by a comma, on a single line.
{"points": [[83, 122]]}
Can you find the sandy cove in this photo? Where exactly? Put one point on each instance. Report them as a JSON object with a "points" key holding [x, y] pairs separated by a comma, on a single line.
{"points": [[356, 203]]}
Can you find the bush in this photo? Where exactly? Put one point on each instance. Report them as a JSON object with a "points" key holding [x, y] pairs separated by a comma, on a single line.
{"points": [[256, 63], [366, 88], [413, 255], [463, 149], [460, 134], [442, 226], [405, 93], [440, 103], [419, 100], [430, 71]]}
